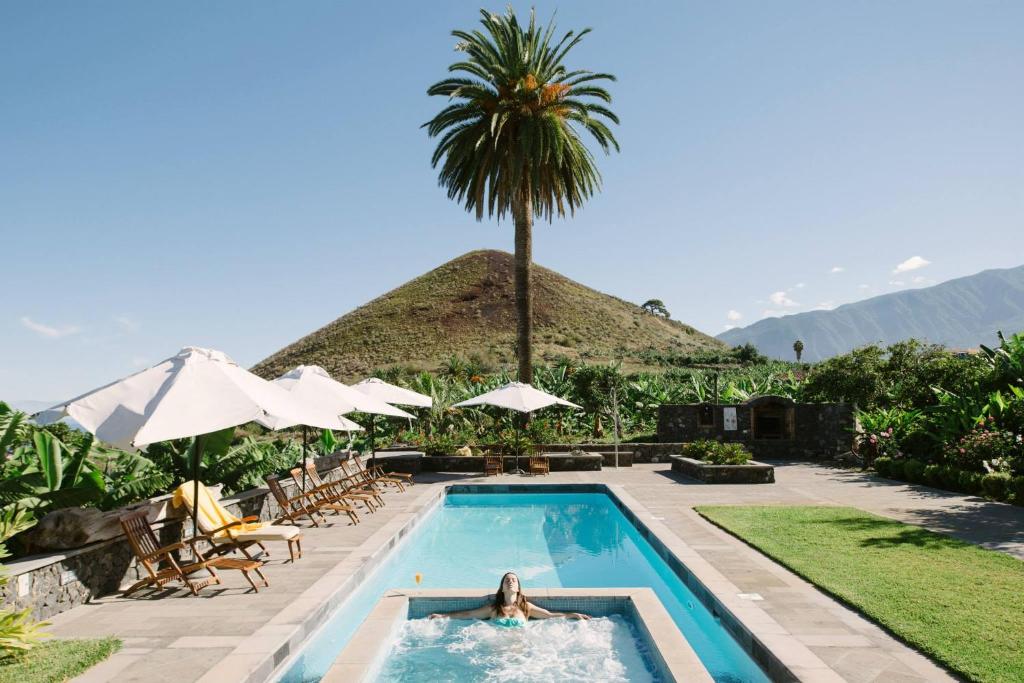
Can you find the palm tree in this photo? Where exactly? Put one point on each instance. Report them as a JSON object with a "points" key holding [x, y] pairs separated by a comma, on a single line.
{"points": [[798, 348], [510, 136]]}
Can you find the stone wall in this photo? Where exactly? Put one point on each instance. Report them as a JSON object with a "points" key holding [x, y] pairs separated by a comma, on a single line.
{"points": [[55, 582], [819, 430], [414, 463]]}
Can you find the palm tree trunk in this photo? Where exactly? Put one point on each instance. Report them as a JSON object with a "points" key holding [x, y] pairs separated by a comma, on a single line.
{"points": [[522, 213]]}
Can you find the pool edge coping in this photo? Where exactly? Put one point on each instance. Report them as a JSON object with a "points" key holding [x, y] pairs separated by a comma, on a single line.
{"points": [[777, 651], [671, 651]]}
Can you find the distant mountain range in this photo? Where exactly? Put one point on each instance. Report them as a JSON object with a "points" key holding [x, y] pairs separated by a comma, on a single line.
{"points": [[961, 313]]}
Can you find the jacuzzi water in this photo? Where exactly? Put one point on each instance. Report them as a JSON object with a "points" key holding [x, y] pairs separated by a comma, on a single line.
{"points": [[442, 650], [552, 540]]}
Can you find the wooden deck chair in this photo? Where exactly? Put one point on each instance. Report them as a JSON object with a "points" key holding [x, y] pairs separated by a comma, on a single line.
{"points": [[151, 555], [369, 476], [228, 532], [343, 489], [295, 508], [356, 480], [378, 472], [493, 465], [325, 497], [539, 464]]}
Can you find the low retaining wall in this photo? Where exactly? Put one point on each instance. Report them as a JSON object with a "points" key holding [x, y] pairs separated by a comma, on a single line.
{"points": [[751, 473], [55, 582], [415, 463], [641, 452]]}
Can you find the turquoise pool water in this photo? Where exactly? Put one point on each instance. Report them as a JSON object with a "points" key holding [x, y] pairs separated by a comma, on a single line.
{"points": [[551, 540], [459, 651]]}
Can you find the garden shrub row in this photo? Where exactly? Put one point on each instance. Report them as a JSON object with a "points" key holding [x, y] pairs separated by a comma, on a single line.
{"points": [[1000, 486], [716, 452]]}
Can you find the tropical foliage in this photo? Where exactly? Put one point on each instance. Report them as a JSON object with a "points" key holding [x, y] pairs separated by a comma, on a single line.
{"points": [[18, 631]]}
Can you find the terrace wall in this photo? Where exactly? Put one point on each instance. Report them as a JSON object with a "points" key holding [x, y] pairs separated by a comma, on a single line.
{"points": [[55, 582]]}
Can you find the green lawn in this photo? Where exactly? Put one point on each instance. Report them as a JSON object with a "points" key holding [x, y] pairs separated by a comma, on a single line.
{"points": [[958, 603], [54, 661]]}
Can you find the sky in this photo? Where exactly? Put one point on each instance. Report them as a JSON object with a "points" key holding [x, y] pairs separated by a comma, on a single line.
{"points": [[238, 174]]}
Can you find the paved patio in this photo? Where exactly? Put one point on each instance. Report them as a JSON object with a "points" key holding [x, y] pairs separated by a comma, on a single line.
{"points": [[227, 633]]}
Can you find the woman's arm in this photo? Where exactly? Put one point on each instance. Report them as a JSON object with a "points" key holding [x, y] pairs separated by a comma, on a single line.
{"points": [[483, 612], [541, 613]]}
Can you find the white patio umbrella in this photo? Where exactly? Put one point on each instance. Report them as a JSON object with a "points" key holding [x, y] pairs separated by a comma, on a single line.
{"points": [[517, 396], [389, 393], [191, 394], [336, 392], [312, 384]]}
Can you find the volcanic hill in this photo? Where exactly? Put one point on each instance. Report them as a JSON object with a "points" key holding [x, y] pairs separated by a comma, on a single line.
{"points": [[466, 307]]}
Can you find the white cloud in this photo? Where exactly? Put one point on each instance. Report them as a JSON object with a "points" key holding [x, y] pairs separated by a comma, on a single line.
{"points": [[922, 280], [734, 315], [799, 285], [46, 330], [912, 263], [837, 269], [728, 327], [897, 283], [826, 305], [126, 323], [863, 286], [781, 298]]}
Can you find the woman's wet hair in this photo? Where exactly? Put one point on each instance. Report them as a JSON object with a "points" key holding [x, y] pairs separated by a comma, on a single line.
{"points": [[521, 601]]}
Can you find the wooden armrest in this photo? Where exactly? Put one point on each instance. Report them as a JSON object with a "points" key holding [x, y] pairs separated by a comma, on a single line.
{"points": [[166, 550], [222, 528], [250, 518]]}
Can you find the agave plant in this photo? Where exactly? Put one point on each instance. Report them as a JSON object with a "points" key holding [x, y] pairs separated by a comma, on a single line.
{"points": [[18, 631], [509, 140]]}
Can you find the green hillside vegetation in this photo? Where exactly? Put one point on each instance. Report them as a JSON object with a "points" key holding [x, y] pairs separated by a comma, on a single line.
{"points": [[466, 308], [961, 313]]}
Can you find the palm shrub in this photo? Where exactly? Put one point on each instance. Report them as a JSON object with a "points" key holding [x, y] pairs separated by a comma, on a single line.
{"points": [[18, 631], [509, 139], [716, 452]]}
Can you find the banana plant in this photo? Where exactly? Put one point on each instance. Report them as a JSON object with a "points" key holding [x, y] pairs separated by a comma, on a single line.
{"points": [[48, 476]]}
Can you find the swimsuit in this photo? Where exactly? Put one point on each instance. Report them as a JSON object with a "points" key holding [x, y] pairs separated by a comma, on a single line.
{"points": [[509, 622]]}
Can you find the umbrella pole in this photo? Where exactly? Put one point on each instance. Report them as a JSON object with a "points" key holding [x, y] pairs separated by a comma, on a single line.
{"points": [[304, 437], [373, 442], [197, 457]]}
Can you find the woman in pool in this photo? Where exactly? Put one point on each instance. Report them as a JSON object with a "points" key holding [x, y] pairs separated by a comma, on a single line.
{"points": [[509, 607]]}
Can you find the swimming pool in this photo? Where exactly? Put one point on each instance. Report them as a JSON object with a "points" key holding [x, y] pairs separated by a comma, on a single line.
{"points": [[551, 540]]}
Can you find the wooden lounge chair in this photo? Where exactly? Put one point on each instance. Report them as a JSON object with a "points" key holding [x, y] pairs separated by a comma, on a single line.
{"points": [[325, 497], [151, 555], [373, 475], [493, 465], [227, 532], [358, 480], [295, 508], [343, 490], [378, 471], [539, 464]]}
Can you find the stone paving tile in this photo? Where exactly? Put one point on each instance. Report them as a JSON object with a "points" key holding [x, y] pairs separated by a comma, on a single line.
{"points": [[158, 632]]}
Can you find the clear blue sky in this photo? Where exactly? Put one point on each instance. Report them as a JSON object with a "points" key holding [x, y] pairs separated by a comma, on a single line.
{"points": [[237, 174]]}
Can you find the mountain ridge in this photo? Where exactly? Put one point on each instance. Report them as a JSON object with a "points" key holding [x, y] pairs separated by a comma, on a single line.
{"points": [[962, 312]]}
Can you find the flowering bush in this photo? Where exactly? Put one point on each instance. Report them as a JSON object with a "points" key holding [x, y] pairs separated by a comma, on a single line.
{"points": [[873, 445], [986, 448]]}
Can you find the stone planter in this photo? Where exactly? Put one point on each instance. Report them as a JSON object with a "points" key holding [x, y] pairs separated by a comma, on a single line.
{"points": [[751, 473]]}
